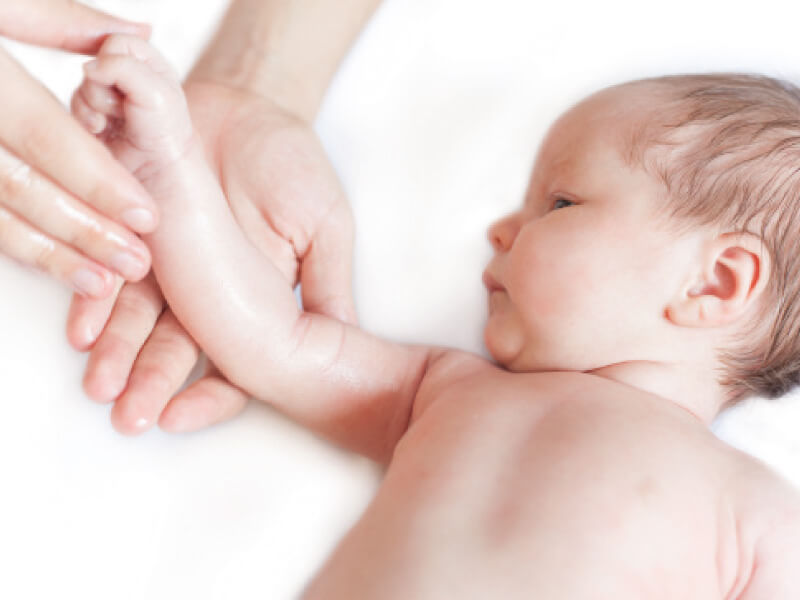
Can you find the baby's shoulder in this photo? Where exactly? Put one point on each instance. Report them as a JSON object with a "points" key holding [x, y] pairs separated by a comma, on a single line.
{"points": [[456, 378], [447, 371]]}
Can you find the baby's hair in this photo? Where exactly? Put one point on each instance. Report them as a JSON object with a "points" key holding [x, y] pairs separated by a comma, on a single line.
{"points": [[727, 147]]}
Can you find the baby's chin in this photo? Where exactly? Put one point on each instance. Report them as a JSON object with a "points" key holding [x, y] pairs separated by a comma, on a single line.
{"points": [[508, 351], [518, 355]]}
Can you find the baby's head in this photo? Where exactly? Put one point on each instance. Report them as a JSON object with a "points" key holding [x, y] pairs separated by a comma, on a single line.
{"points": [[659, 227]]}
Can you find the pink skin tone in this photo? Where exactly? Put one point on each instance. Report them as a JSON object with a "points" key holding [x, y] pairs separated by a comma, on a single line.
{"points": [[273, 163], [587, 465], [253, 95], [66, 206]]}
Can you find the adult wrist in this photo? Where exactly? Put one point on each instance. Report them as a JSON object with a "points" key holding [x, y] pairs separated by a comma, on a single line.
{"points": [[284, 50], [262, 74]]}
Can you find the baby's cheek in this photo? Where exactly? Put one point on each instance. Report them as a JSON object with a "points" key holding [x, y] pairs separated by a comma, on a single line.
{"points": [[546, 286]]}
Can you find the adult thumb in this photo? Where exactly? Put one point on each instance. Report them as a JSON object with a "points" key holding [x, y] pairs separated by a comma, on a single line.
{"points": [[326, 273], [64, 24]]}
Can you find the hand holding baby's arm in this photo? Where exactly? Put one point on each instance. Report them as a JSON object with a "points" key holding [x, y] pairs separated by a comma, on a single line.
{"points": [[333, 378]]}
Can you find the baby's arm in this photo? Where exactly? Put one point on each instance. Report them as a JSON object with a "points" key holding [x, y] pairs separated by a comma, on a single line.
{"points": [[349, 386]]}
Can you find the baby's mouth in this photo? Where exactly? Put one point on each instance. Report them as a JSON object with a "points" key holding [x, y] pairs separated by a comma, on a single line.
{"points": [[491, 283]]}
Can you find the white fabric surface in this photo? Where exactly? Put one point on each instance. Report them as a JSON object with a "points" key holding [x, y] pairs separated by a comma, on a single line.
{"points": [[432, 123]]}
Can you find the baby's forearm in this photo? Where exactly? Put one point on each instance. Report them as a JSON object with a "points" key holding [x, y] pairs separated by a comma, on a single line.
{"points": [[346, 385]]}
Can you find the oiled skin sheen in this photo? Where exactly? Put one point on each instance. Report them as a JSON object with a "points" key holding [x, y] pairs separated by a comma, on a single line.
{"points": [[558, 485]]}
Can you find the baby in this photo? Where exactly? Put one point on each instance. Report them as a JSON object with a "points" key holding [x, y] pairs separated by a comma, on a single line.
{"points": [[646, 282]]}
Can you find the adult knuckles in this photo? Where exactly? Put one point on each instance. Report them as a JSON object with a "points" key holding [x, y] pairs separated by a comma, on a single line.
{"points": [[137, 301], [160, 376], [15, 181], [43, 255], [170, 340], [5, 225], [39, 137], [112, 349], [85, 237], [40, 141]]}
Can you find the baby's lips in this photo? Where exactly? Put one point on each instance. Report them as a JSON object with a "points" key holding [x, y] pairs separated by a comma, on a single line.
{"points": [[490, 282]]}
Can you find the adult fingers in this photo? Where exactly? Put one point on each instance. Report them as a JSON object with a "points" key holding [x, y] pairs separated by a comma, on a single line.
{"points": [[326, 270], [30, 247], [87, 317], [64, 24], [132, 319], [163, 364], [135, 47], [60, 216], [206, 402], [36, 129]]}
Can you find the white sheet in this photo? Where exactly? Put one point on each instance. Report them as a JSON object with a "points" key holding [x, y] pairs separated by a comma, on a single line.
{"points": [[432, 124]]}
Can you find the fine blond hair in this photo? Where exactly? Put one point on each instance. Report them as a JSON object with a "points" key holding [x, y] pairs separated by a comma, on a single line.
{"points": [[727, 148]]}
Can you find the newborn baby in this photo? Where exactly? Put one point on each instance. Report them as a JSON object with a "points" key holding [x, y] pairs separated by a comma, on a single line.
{"points": [[644, 284]]}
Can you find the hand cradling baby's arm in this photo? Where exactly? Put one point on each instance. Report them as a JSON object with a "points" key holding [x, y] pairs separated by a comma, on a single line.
{"points": [[233, 301]]}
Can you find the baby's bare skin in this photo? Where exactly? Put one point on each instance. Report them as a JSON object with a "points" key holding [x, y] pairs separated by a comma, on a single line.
{"points": [[563, 486], [600, 480]]}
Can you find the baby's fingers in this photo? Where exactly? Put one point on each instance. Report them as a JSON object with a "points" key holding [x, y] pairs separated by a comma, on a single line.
{"points": [[94, 104], [136, 80], [102, 99], [43, 136], [94, 121]]}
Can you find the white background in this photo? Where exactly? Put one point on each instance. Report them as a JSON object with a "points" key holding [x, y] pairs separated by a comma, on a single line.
{"points": [[432, 124]]}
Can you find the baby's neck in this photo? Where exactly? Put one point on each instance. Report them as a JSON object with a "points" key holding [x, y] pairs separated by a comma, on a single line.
{"points": [[689, 388]]}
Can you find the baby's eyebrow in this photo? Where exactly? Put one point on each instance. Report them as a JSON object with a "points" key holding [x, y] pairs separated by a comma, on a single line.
{"points": [[531, 193], [527, 197]]}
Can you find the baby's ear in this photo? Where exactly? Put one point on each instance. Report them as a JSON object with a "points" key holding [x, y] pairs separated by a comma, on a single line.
{"points": [[731, 275]]}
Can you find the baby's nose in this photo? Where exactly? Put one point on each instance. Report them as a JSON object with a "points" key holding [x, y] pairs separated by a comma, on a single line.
{"points": [[503, 232]]}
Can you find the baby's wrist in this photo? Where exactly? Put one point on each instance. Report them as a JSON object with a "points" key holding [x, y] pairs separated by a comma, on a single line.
{"points": [[157, 176]]}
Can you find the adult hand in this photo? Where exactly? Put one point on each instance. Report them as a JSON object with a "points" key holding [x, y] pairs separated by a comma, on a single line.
{"points": [[287, 198], [66, 206]]}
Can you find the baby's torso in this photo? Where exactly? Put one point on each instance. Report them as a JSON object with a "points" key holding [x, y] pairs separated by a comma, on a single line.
{"points": [[549, 486]]}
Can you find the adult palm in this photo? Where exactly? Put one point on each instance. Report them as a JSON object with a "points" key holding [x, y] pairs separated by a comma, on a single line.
{"points": [[287, 198]]}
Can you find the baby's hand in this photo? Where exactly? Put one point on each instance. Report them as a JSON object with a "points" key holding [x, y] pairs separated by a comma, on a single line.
{"points": [[132, 99]]}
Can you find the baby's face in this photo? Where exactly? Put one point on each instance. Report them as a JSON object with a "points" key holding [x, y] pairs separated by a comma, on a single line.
{"points": [[583, 271]]}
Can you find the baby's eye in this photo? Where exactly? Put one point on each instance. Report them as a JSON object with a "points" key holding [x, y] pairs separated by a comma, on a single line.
{"points": [[562, 203]]}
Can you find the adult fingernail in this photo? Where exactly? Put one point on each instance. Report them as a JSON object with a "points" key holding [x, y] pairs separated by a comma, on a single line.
{"points": [[88, 282], [128, 265], [139, 219], [88, 336]]}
